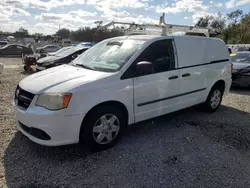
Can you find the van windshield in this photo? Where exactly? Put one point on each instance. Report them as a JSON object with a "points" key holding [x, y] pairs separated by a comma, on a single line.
{"points": [[109, 55]]}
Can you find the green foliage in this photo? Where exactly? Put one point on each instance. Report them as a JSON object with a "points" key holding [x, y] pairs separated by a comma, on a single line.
{"points": [[204, 21], [237, 31], [63, 33], [235, 16], [21, 33]]}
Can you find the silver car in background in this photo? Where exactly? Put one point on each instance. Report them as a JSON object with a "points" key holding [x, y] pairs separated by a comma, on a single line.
{"points": [[241, 68]]}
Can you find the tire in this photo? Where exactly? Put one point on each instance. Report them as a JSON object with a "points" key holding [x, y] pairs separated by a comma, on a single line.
{"points": [[25, 67], [214, 98], [97, 126]]}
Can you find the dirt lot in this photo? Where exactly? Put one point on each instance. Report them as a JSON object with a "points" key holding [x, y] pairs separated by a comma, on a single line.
{"points": [[184, 149]]}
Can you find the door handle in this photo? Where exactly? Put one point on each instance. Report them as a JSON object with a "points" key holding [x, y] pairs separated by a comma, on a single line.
{"points": [[173, 77], [186, 75]]}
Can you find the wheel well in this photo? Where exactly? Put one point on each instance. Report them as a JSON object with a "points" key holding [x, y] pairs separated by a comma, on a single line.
{"points": [[110, 103], [221, 84]]}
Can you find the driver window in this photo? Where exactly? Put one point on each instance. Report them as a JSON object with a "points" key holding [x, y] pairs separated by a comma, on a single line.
{"points": [[11, 47], [160, 54]]}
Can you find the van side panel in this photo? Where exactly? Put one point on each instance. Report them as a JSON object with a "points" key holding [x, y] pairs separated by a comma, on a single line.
{"points": [[220, 67], [205, 60], [193, 80], [191, 51]]}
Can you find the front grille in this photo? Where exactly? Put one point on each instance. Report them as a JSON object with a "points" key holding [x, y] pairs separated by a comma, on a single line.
{"points": [[23, 98], [35, 132]]}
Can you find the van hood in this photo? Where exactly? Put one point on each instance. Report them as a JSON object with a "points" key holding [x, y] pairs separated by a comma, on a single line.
{"points": [[60, 79]]}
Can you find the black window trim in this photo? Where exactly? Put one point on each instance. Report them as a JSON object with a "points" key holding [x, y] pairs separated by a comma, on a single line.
{"points": [[128, 73]]}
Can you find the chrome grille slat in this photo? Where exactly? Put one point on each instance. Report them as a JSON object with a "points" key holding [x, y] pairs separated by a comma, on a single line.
{"points": [[23, 98]]}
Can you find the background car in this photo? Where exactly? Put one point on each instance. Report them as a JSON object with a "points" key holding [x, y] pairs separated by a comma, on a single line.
{"points": [[241, 49], [15, 50], [48, 48], [3, 43], [59, 51], [63, 57], [241, 68]]}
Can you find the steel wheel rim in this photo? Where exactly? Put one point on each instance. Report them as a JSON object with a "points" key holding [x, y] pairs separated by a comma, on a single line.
{"points": [[215, 99], [106, 128]]}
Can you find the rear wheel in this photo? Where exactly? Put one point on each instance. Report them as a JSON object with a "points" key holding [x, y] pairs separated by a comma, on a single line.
{"points": [[214, 99], [102, 128]]}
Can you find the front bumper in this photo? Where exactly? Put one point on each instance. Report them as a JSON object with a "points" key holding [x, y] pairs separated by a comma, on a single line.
{"points": [[61, 129]]}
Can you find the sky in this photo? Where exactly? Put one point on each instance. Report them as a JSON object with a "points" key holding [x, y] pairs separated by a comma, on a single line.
{"points": [[46, 16]]}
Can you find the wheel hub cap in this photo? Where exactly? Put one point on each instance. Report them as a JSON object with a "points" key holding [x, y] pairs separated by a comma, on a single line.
{"points": [[215, 99], [106, 129]]}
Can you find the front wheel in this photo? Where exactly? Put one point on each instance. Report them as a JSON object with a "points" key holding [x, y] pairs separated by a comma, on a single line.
{"points": [[102, 128], [214, 99]]}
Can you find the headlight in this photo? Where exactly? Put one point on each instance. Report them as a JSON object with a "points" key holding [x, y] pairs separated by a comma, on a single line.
{"points": [[54, 101]]}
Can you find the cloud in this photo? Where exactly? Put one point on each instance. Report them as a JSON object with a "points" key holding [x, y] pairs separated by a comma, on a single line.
{"points": [[68, 20], [82, 13], [38, 4], [11, 25], [21, 12], [197, 15], [186, 18], [7, 11], [218, 5], [118, 3], [235, 3], [139, 20], [183, 6], [110, 14]]}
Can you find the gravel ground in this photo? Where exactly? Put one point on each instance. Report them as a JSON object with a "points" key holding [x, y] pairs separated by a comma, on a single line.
{"points": [[188, 148], [11, 61]]}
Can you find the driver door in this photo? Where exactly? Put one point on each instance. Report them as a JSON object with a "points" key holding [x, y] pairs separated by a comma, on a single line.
{"points": [[11, 50], [157, 93]]}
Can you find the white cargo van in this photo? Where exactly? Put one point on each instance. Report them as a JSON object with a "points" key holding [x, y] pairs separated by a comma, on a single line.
{"points": [[120, 81]]}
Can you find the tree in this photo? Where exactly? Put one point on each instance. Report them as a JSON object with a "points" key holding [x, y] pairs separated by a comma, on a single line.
{"points": [[204, 21], [235, 16], [98, 23], [63, 33], [38, 34], [218, 23]]}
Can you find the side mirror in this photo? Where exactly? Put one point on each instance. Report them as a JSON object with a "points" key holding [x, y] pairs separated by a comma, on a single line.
{"points": [[144, 68]]}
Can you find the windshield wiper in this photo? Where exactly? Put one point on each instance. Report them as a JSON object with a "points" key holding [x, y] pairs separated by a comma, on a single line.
{"points": [[84, 66]]}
